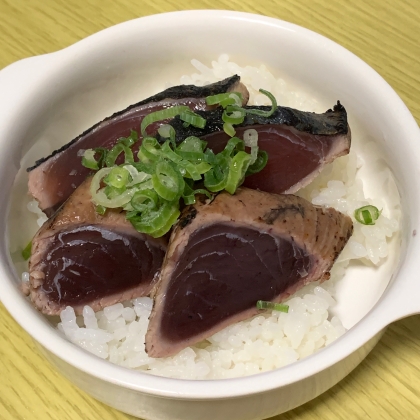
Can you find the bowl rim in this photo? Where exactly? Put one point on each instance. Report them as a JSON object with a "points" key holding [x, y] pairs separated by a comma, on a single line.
{"points": [[369, 326]]}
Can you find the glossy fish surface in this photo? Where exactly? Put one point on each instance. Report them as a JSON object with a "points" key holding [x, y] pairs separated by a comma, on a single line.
{"points": [[80, 257], [54, 178], [225, 255]]}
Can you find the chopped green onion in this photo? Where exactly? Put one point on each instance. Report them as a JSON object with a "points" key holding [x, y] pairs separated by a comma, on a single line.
{"points": [[26, 252], [237, 169], [137, 176], [225, 99], [145, 200], [100, 210], [189, 194], [234, 117], [149, 150], [192, 118], [259, 164], [149, 189], [130, 140], [168, 132], [235, 143], [202, 168], [261, 113], [117, 178], [192, 148], [156, 222], [100, 198], [167, 181], [88, 159], [367, 215], [168, 153], [237, 100], [188, 170], [262, 304], [228, 129], [113, 154], [148, 168], [216, 178], [251, 140], [103, 153], [161, 115]]}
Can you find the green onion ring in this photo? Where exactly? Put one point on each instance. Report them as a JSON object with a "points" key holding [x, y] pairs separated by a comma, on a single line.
{"points": [[149, 150], [116, 151], [192, 118], [167, 181], [99, 197], [118, 177], [367, 215], [259, 164], [262, 304], [157, 222], [163, 114], [88, 159], [261, 113], [237, 169], [144, 200], [26, 252]]}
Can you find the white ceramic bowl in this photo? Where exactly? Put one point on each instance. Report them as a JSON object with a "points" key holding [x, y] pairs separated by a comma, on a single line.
{"points": [[60, 94]]}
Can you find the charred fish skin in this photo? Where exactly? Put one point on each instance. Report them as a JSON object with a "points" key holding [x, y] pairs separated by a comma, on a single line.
{"points": [[175, 92], [298, 144], [332, 122], [225, 255], [53, 179], [82, 258]]}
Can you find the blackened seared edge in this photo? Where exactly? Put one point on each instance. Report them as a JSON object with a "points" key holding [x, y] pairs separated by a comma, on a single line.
{"points": [[332, 122], [273, 214], [187, 217], [222, 272], [175, 92]]}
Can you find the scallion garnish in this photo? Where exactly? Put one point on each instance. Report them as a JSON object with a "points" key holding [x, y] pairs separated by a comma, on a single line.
{"points": [[26, 252], [261, 113], [367, 215], [130, 140], [259, 164], [192, 118], [100, 210], [149, 189], [89, 161], [167, 181], [161, 115], [225, 99], [262, 304], [234, 114], [117, 178], [228, 129], [115, 152], [237, 170], [183, 111]]}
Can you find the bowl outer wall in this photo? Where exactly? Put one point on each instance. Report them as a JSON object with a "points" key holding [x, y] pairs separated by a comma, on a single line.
{"points": [[33, 76], [248, 407]]}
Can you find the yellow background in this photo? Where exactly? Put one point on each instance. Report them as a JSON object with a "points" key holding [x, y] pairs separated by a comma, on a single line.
{"points": [[384, 33]]}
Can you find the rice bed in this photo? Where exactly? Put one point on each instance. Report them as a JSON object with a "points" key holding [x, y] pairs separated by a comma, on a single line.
{"points": [[273, 339]]}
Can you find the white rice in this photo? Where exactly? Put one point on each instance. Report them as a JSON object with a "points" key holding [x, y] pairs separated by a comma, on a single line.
{"points": [[270, 340]]}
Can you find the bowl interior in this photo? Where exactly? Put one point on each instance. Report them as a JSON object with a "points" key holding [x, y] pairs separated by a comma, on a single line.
{"points": [[124, 64]]}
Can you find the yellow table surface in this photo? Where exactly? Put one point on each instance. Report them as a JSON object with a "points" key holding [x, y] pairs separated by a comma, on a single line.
{"points": [[384, 33]]}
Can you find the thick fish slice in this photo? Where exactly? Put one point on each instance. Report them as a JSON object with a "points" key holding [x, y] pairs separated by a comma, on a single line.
{"points": [[299, 144], [54, 178], [82, 258], [225, 256]]}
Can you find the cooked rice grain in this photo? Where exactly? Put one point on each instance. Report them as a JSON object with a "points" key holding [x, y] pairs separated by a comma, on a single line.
{"points": [[270, 340]]}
